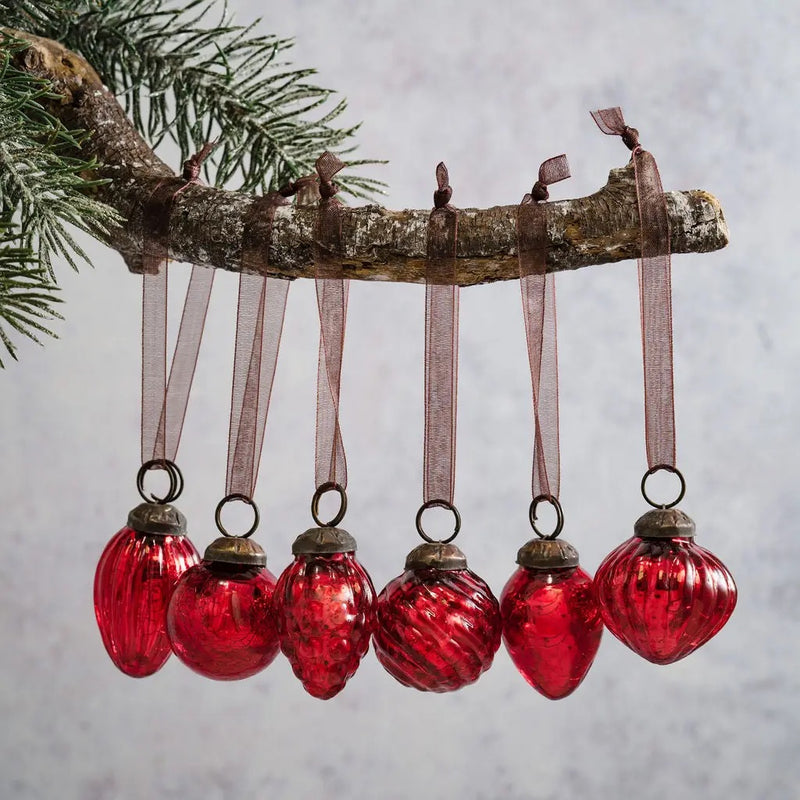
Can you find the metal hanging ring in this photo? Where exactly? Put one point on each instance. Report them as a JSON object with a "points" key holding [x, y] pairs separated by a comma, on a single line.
{"points": [[559, 515], [321, 490], [228, 499], [666, 468], [438, 504], [175, 480]]}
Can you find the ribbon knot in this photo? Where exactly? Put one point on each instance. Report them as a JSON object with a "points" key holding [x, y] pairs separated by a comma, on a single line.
{"points": [[539, 192], [327, 165], [441, 197], [630, 136], [193, 164]]}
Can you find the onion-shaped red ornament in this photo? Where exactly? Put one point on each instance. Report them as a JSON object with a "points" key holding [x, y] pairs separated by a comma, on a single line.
{"points": [[660, 593], [438, 624], [133, 583], [220, 618], [551, 621], [324, 607]]}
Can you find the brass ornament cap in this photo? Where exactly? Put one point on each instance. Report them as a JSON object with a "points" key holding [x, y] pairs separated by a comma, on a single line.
{"points": [[323, 541], [158, 519], [547, 554], [236, 550], [436, 555], [664, 523]]}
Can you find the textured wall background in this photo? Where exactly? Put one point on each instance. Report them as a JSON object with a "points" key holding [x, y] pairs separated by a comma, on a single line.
{"points": [[492, 89]]}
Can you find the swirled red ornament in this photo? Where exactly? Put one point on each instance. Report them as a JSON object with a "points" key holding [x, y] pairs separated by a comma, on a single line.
{"points": [[438, 624]]}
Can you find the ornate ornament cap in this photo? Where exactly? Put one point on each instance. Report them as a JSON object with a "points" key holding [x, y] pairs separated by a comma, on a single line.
{"points": [[547, 554], [324, 541], [236, 550], [158, 519], [664, 523], [436, 555]]}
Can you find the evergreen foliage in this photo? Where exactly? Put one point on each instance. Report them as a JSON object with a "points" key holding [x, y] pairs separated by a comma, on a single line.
{"points": [[183, 71], [27, 294]]}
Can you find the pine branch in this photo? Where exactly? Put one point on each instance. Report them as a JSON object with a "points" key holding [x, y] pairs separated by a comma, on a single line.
{"points": [[189, 75], [41, 179], [27, 295], [206, 224]]}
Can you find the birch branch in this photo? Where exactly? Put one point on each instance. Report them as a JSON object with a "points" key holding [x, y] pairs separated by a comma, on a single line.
{"points": [[206, 224]]}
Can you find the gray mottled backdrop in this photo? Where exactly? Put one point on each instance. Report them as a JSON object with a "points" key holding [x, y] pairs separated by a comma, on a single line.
{"points": [[492, 89]]}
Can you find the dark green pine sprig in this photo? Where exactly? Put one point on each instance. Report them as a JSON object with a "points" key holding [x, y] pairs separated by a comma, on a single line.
{"points": [[185, 71], [42, 196], [27, 295]]}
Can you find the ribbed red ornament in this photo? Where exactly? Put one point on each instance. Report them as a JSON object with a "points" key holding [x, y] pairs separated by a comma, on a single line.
{"points": [[664, 597], [324, 606], [437, 629], [132, 586], [220, 620], [551, 627]]}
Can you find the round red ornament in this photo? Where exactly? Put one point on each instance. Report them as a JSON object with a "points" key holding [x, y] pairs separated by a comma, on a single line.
{"points": [[551, 621], [324, 607], [438, 624], [133, 584], [660, 593], [220, 618]]}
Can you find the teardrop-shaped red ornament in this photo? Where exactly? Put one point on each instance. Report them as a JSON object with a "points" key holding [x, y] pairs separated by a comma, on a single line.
{"points": [[438, 624], [660, 593], [220, 618], [325, 611], [133, 583], [551, 621]]}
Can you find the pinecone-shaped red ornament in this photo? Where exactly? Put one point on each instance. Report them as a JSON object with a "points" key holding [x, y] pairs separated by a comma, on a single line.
{"points": [[551, 621], [660, 593], [324, 606], [438, 624], [220, 618], [133, 584]]}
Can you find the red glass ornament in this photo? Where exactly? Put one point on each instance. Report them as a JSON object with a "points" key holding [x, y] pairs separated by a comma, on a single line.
{"points": [[664, 596], [437, 628], [324, 605], [551, 627], [220, 619], [132, 586]]}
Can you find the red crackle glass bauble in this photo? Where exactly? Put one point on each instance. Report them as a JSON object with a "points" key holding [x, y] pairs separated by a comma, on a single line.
{"points": [[438, 624], [551, 622], [133, 583], [220, 618], [660, 593], [324, 606]]}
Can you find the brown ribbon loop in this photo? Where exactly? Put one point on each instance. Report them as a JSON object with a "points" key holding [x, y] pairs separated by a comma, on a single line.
{"points": [[259, 325], [441, 345], [539, 312], [655, 293], [164, 402], [332, 294]]}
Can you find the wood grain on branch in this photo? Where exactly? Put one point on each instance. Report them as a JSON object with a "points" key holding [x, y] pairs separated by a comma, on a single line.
{"points": [[206, 225]]}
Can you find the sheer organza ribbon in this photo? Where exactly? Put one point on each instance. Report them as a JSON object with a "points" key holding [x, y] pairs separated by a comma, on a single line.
{"points": [[332, 294], [164, 402], [539, 312], [259, 325], [655, 293], [441, 345]]}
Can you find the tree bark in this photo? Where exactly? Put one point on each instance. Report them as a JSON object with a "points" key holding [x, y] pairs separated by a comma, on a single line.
{"points": [[206, 224]]}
